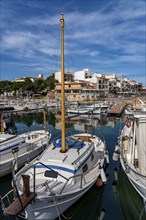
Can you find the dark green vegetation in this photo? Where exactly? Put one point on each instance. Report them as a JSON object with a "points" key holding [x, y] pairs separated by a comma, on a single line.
{"points": [[28, 87]]}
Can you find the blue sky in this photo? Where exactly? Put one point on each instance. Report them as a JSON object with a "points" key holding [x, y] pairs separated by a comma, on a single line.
{"points": [[106, 36]]}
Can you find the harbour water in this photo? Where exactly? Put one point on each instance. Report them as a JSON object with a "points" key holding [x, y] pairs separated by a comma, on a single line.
{"points": [[110, 202]]}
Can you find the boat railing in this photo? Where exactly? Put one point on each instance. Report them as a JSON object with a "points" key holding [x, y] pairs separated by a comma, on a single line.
{"points": [[128, 168], [73, 177], [55, 172], [101, 137], [81, 176], [7, 199], [79, 158], [58, 174]]}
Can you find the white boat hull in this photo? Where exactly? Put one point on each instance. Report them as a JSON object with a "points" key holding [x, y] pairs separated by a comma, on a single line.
{"points": [[21, 149], [45, 208], [71, 111], [6, 167], [132, 145], [137, 181]]}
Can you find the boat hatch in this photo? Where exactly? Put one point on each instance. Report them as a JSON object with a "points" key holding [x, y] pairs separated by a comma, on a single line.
{"points": [[50, 174]]}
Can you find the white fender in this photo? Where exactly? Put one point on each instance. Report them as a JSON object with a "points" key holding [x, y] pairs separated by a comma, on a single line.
{"points": [[102, 174], [116, 174], [102, 214], [107, 157], [16, 165], [116, 153]]}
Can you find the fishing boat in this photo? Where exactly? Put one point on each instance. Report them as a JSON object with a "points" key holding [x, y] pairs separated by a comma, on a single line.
{"points": [[78, 111], [105, 106], [16, 150], [85, 110], [64, 172], [132, 149]]}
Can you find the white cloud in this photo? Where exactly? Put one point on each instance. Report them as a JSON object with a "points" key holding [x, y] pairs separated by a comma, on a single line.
{"points": [[110, 35]]}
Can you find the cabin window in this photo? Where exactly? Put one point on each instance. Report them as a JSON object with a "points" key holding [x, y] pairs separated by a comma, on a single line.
{"points": [[85, 168], [92, 157], [50, 174]]}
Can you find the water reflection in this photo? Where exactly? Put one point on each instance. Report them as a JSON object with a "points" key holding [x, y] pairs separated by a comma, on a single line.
{"points": [[88, 207], [131, 203], [125, 204]]}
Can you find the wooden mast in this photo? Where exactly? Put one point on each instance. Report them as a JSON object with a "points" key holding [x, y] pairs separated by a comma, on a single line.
{"points": [[63, 149]]}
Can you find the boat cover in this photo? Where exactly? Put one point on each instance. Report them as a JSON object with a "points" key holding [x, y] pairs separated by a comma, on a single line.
{"points": [[70, 142]]}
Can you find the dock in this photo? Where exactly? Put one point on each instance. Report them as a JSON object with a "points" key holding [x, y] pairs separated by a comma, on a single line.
{"points": [[116, 110]]}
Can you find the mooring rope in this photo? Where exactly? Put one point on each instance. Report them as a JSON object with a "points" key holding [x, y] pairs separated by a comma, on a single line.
{"points": [[142, 212], [57, 209]]}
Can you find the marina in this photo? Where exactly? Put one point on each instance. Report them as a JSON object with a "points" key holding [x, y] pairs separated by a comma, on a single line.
{"points": [[72, 143], [109, 127]]}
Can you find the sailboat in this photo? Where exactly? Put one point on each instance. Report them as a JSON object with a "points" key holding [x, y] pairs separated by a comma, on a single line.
{"points": [[132, 149], [64, 172]]}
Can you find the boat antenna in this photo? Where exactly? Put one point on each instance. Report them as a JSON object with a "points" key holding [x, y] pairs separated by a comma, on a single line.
{"points": [[63, 148]]}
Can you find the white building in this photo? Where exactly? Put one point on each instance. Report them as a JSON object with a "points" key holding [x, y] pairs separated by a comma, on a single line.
{"points": [[68, 77], [40, 76], [82, 75], [22, 79], [111, 76]]}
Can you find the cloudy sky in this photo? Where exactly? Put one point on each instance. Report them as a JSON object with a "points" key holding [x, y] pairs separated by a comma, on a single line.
{"points": [[105, 36]]}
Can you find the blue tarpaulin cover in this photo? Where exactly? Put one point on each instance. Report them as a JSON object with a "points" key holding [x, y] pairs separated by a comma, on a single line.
{"points": [[70, 142]]}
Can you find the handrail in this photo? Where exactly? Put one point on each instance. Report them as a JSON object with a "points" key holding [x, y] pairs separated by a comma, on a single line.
{"points": [[34, 180], [71, 177], [50, 169], [77, 176], [67, 179], [83, 154], [6, 195], [127, 166]]}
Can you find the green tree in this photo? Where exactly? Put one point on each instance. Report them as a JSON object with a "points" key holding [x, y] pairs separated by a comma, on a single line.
{"points": [[50, 82], [39, 85], [28, 84], [5, 86]]}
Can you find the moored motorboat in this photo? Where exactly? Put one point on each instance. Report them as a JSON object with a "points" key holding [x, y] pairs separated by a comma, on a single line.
{"points": [[78, 111], [21, 149]]}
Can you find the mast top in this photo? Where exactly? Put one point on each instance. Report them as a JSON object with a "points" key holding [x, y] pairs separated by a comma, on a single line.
{"points": [[61, 16], [61, 21]]}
